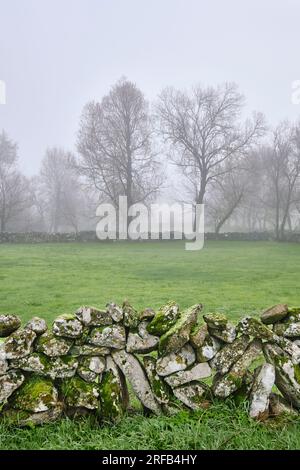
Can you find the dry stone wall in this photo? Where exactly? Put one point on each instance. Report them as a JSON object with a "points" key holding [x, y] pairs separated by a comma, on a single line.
{"points": [[172, 359]]}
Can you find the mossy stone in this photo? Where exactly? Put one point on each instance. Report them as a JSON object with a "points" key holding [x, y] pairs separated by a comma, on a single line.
{"points": [[164, 319]]}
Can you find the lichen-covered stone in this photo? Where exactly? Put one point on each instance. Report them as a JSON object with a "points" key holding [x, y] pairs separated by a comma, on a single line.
{"points": [[192, 395], [274, 314], [54, 367], [179, 334], [67, 326], [164, 319], [88, 350], [254, 327], [229, 354], [131, 316], [136, 375], [8, 324], [292, 331], [37, 324], [80, 394], [9, 383], [115, 312], [147, 314], [91, 316], [279, 406], [112, 336], [160, 389], [264, 379], [227, 335], [142, 341], [216, 321], [208, 350], [27, 419], [176, 361], [290, 347], [19, 343], [197, 372], [36, 394], [224, 386], [198, 335], [113, 392], [52, 345], [3, 362], [91, 368], [287, 374]]}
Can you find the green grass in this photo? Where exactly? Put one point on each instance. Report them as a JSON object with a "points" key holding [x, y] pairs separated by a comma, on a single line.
{"points": [[237, 278]]}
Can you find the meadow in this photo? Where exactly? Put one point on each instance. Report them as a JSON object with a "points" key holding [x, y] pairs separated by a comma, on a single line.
{"points": [[236, 278]]}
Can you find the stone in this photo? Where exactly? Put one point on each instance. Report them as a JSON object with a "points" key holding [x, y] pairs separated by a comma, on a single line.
{"points": [[244, 391], [28, 419], [274, 314], [91, 368], [113, 336], [197, 372], [192, 395], [287, 377], [9, 383], [91, 316], [147, 314], [179, 334], [80, 394], [52, 345], [89, 350], [225, 385], [253, 327], [54, 367], [38, 325], [164, 319], [279, 406], [36, 394], [19, 344], [176, 361], [113, 392], [8, 324], [229, 354], [264, 379], [3, 362], [115, 312], [67, 326], [215, 321], [142, 341], [292, 331], [160, 389], [227, 335], [198, 335], [136, 375], [131, 316], [290, 347], [208, 350]]}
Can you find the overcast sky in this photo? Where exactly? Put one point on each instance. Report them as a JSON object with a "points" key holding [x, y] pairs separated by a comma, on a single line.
{"points": [[55, 55]]}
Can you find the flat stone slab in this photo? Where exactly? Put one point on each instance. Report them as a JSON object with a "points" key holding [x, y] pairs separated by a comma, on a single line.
{"points": [[192, 395], [176, 361], [198, 372], [274, 314], [9, 383], [142, 341], [136, 375], [262, 386], [91, 316]]}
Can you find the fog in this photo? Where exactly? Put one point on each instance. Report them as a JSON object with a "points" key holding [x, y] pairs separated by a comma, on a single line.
{"points": [[67, 65]]}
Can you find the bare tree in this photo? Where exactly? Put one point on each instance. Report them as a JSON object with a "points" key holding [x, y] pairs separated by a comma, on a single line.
{"points": [[59, 192], [115, 144], [14, 195], [226, 196], [203, 132]]}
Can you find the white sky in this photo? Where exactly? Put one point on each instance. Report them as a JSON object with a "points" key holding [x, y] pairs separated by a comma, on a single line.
{"points": [[55, 55]]}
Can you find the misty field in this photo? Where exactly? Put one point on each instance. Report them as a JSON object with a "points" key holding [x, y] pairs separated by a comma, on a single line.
{"points": [[237, 278]]}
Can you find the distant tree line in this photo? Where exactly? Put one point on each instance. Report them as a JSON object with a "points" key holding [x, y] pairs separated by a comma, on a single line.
{"points": [[192, 146]]}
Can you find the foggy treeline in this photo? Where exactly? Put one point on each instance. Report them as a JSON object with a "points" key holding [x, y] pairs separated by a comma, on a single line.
{"points": [[188, 146]]}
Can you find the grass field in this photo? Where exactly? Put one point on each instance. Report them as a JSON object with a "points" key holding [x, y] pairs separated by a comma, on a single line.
{"points": [[235, 277]]}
